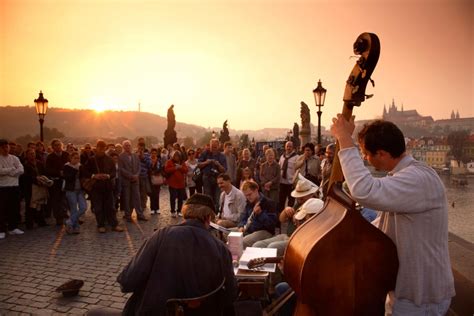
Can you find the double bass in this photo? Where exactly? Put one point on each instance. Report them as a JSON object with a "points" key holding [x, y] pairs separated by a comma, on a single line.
{"points": [[337, 262]]}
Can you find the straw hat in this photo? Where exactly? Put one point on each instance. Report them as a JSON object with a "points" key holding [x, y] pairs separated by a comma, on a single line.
{"points": [[312, 206], [303, 188]]}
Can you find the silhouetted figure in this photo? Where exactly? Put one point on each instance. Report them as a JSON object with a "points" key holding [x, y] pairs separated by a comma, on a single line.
{"points": [[224, 135], [170, 133], [296, 136]]}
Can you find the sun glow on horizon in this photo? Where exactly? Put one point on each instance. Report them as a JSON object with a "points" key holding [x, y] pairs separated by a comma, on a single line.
{"points": [[101, 105]]}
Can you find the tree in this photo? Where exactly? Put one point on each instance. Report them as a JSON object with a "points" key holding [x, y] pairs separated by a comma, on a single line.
{"points": [[188, 142], [457, 140], [205, 139], [244, 141], [48, 135], [150, 141]]}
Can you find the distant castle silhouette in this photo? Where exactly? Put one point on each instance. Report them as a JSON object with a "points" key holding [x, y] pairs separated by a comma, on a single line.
{"points": [[413, 118]]}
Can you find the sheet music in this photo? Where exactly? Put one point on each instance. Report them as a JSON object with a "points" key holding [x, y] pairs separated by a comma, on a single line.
{"points": [[254, 252], [220, 228]]}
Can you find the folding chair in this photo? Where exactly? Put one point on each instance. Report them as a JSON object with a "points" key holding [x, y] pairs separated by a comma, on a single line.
{"points": [[195, 305]]}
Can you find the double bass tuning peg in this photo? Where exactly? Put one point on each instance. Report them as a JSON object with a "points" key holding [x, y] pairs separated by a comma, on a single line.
{"points": [[360, 46]]}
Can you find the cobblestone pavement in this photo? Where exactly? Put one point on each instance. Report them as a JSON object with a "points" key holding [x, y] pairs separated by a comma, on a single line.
{"points": [[34, 264]]}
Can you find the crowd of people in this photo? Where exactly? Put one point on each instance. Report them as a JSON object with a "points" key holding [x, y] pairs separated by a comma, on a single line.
{"points": [[55, 181], [240, 190]]}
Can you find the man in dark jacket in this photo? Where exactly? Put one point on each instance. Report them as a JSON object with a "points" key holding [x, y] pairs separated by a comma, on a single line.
{"points": [[260, 218], [101, 168], [181, 261], [54, 170]]}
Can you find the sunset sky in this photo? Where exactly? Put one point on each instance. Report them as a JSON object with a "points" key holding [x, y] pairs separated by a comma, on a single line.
{"points": [[251, 62]]}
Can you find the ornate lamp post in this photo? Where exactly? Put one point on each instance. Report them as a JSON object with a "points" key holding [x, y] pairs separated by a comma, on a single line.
{"points": [[41, 107], [319, 96]]}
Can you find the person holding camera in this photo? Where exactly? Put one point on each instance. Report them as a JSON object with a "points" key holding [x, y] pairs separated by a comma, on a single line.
{"points": [[212, 162], [176, 170]]}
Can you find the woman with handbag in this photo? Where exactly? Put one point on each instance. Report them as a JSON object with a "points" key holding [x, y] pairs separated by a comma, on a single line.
{"points": [[191, 163], [157, 180], [32, 183]]}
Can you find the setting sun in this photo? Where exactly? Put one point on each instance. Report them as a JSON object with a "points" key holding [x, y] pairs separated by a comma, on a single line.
{"points": [[100, 106]]}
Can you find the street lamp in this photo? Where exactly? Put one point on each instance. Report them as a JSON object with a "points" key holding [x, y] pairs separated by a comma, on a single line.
{"points": [[319, 96], [41, 107]]}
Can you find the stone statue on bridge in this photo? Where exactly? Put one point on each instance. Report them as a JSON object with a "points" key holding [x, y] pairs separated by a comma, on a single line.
{"points": [[170, 134]]}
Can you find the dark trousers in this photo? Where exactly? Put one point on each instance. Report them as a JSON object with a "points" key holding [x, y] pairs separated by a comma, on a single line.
{"points": [[211, 189], [177, 194], [57, 197], [285, 192], [103, 202], [199, 187], [192, 190], [155, 197], [9, 208], [33, 215], [130, 198]]}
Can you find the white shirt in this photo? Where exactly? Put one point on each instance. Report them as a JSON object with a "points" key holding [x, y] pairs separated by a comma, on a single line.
{"points": [[10, 170], [226, 213], [415, 216], [290, 172]]}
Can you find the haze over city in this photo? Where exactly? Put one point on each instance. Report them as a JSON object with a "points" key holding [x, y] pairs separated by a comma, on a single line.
{"points": [[251, 62]]}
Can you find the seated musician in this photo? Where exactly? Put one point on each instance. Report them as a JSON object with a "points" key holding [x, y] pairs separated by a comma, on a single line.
{"points": [[232, 202], [260, 218], [414, 209], [179, 261], [303, 191]]}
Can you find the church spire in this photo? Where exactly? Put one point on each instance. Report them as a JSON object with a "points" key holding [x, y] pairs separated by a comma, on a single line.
{"points": [[457, 114], [452, 115]]}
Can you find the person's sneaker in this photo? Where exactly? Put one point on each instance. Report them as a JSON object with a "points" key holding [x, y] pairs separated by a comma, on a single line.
{"points": [[173, 214], [180, 215], [2, 235], [153, 212], [118, 229], [16, 231], [158, 212], [101, 230]]}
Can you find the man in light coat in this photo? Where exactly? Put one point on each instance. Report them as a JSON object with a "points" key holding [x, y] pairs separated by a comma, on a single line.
{"points": [[232, 202], [129, 166]]}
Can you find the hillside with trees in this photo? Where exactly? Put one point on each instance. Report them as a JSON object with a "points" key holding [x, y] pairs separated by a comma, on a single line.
{"points": [[16, 122]]}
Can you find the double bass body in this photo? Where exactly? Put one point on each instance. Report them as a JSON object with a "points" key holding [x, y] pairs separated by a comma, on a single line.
{"points": [[340, 264]]}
